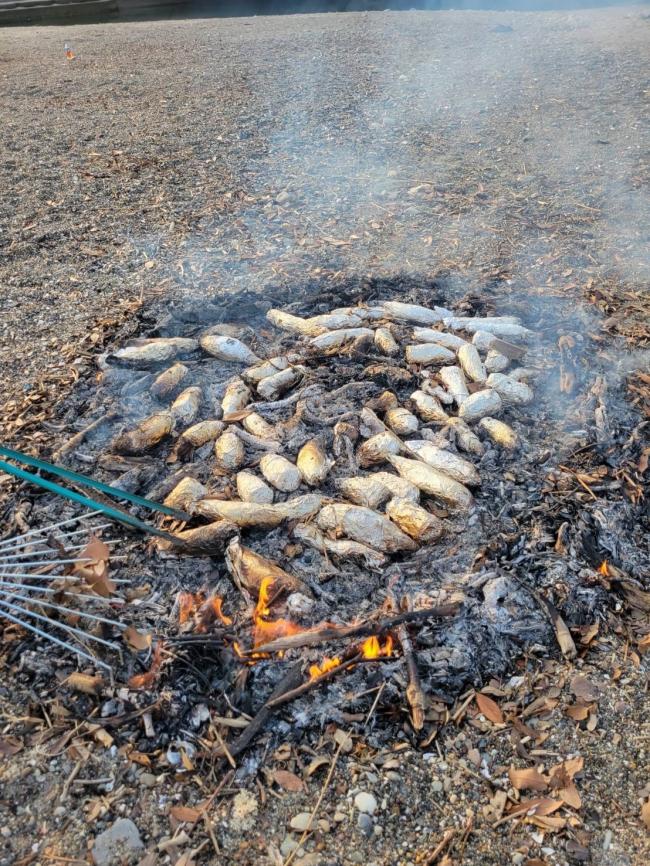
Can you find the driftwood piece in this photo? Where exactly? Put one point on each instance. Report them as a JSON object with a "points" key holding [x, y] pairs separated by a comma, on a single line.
{"points": [[332, 632]]}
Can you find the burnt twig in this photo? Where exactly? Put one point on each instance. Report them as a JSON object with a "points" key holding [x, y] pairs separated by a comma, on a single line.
{"points": [[243, 741], [331, 633]]}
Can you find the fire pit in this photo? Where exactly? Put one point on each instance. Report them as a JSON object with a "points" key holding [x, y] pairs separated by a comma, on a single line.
{"points": [[365, 473]]}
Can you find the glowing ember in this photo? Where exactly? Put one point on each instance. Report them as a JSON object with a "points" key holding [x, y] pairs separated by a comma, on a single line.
{"points": [[266, 630], [326, 665], [604, 568], [372, 649], [186, 606]]}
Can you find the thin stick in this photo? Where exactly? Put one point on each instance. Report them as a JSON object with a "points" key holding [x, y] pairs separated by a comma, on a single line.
{"points": [[79, 437], [447, 836], [414, 694], [328, 779], [332, 633], [374, 704]]}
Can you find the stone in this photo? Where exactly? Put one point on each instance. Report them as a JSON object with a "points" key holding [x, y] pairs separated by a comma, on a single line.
{"points": [[436, 787], [148, 780], [364, 823], [288, 845], [365, 802], [120, 843], [300, 821]]}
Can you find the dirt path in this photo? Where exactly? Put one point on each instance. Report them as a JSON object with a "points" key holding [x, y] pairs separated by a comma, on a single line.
{"points": [[188, 159]]}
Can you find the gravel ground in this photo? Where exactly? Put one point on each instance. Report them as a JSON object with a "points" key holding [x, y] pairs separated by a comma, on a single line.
{"points": [[194, 158]]}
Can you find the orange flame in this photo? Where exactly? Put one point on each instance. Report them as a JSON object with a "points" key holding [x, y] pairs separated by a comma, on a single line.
{"points": [[604, 568], [372, 649], [188, 603], [268, 630], [326, 665], [216, 606]]}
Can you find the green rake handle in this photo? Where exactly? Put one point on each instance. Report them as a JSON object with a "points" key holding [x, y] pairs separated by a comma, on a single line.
{"points": [[90, 482], [109, 511]]}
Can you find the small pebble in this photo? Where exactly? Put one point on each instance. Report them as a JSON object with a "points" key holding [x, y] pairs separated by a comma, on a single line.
{"points": [[288, 845], [436, 787], [300, 821], [365, 802], [364, 823]]}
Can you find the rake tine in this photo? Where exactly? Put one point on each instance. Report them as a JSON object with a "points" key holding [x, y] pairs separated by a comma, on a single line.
{"points": [[55, 624], [9, 542], [51, 551], [52, 606], [32, 576], [66, 536], [26, 586], [57, 641]]}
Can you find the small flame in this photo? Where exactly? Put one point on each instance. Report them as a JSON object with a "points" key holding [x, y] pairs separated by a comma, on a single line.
{"points": [[326, 665], [188, 604], [69, 53], [268, 630], [217, 601], [604, 568], [372, 649]]}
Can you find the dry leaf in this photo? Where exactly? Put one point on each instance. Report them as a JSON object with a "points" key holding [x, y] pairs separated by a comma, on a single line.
{"points": [[316, 764], [185, 814], [344, 740], [288, 781], [137, 640], [578, 712], [102, 736], [644, 643], [584, 689], [490, 709], [89, 684], [10, 746], [528, 779]]}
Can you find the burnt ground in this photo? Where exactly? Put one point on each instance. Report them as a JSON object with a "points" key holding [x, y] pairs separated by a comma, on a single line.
{"points": [[256, 160]]}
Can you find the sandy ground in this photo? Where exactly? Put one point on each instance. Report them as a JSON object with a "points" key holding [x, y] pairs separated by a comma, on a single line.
{"points": [[193, 158]]}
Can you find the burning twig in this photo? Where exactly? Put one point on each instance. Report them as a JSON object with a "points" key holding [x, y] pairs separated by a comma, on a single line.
{"points": [[332, 632], [315, 682]]}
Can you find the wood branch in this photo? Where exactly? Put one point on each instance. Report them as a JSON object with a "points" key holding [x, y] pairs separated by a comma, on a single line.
{"points": [[79, 437], [333, 632], [315, 682], [289, 682], [414, 694]]}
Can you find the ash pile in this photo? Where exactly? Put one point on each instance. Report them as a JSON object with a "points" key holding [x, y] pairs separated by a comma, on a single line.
{"points": [[344, 475]]}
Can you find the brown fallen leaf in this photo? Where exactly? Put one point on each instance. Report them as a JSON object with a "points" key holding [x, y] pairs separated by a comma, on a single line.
{"points": [[10, 746], [527, 779], [137, 640], [185, 814], [287, 780], [584, 689], [578, 711], [490, 709]]}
